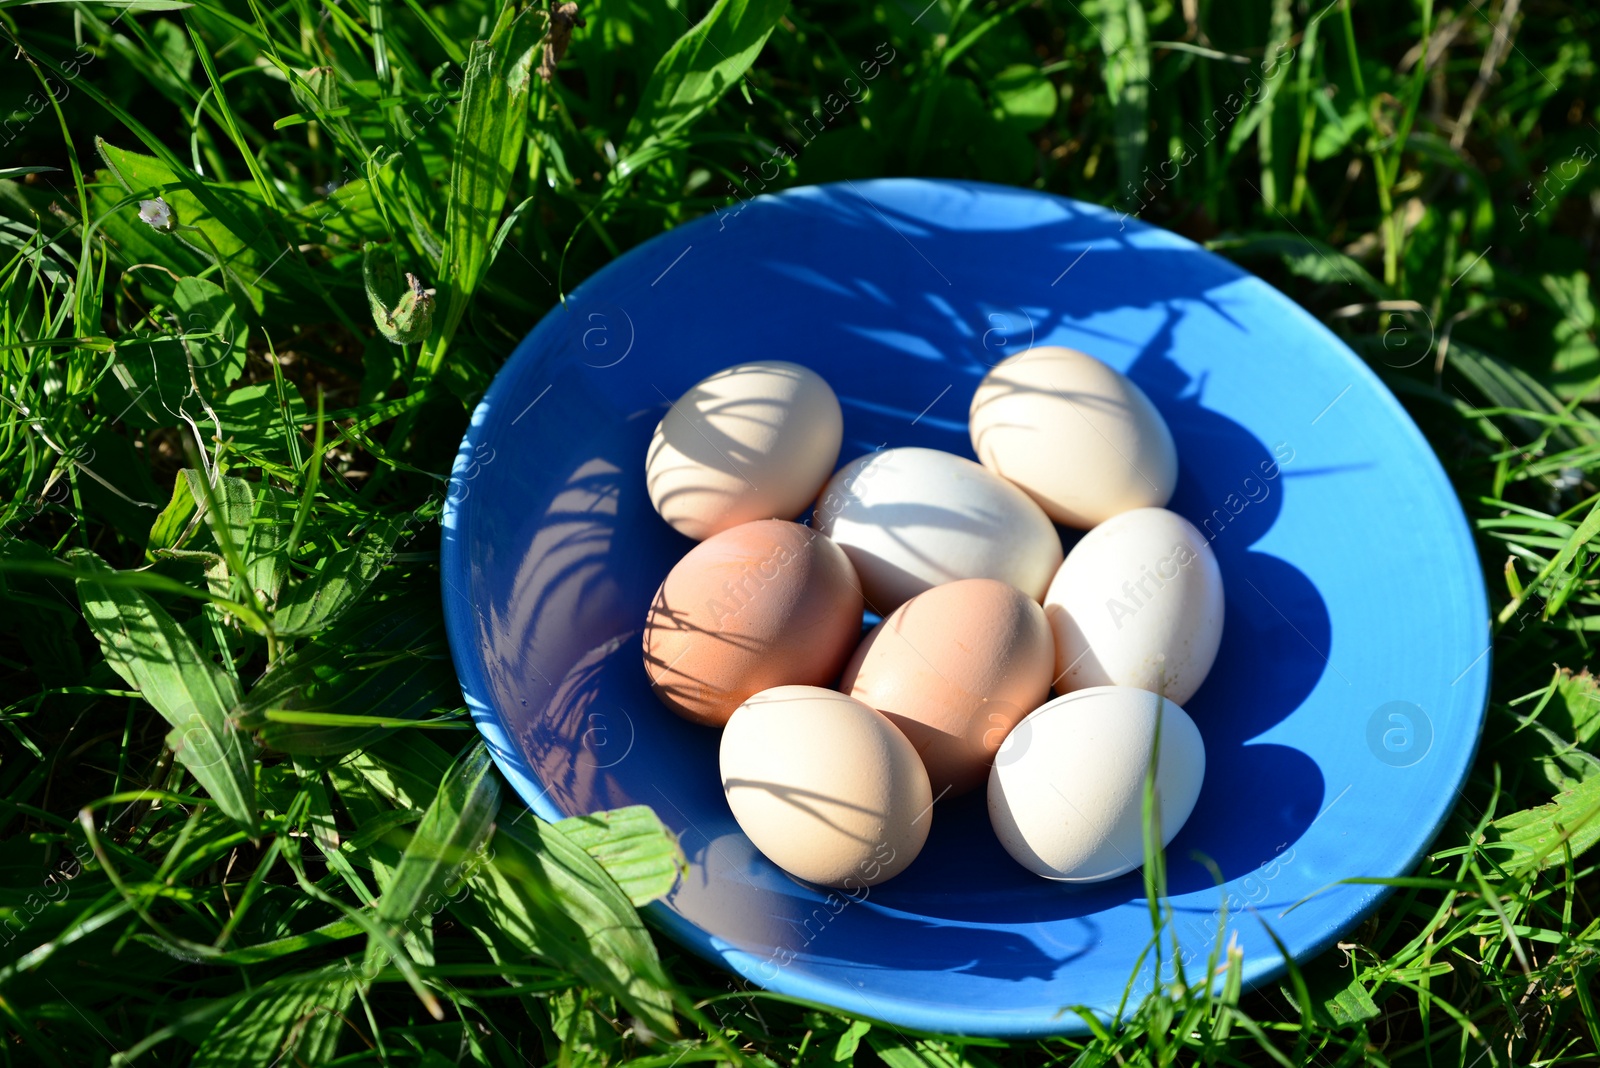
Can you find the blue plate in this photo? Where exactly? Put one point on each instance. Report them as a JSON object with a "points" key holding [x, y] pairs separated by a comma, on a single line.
{"points": [[1340, 718]]}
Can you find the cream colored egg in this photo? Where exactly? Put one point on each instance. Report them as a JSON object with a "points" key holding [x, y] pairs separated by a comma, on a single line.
{"points": [[826, 787], [754, 441], [1066, 793], [1079, 437], [1138, 602], [910, 519]]}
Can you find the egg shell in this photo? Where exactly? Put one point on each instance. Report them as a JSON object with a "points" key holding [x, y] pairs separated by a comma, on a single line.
{"points": [[911, 519], [1066, 792], [955, 668], [1077, 435], [1138, 602], [826, 787], [761, 605], [754, 441]]}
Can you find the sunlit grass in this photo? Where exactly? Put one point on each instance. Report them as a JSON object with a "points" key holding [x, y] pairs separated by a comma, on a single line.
{"points": [[212, 462]]}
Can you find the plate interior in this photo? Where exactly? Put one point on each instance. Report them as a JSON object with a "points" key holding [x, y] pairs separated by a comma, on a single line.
{"points": [[1353, 591]]}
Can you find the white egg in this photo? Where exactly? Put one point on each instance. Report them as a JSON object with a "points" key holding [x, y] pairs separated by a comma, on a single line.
{"points": [[1137, 602], [751, 442], [1083, 440], [910, 519], [1066, 792]]}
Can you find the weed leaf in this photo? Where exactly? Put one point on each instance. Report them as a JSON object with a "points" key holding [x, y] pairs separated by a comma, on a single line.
{"points": [[489, 136], [707, 61], [297, 1022], [156, 656], [633, 846], [547, 897]]}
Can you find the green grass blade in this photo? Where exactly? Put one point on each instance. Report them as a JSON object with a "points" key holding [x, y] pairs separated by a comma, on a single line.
{"points": [[489, 137], [697, 70], [446, 845], [157, 657]]}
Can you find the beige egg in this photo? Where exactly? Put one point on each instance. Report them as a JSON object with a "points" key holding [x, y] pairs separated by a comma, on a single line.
{"points": [[826, 787], [764, 604], [1079, 437], [1066, 795], [755, 441], [955, 669], [1138, 602]]}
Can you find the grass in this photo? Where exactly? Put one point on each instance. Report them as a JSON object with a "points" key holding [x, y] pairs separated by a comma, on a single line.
{"points": [[212, 463]]}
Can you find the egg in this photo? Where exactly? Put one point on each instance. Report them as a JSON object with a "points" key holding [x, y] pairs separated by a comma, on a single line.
{"points": [[955, 668], [761, 605], [1067, 790], [826, 787], [1080, 438], [755, 441], [912, 518], [1138, 602]]}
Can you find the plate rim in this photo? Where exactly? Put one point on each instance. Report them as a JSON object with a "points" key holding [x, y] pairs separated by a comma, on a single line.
{"points": [[927, 1017]]}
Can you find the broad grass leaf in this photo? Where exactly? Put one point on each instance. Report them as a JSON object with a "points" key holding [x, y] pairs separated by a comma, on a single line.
{"points": [[228, 509], [1350, 1005], [257, 420], [633, 846], [488, 149], [1026, 98], [156, 656], [386, 658], [1581, 698], [1303, 256], [332, 931], [906, 1052], [447, 845], [1508, 386], [313, 601], [1125, 41], [266, 561], [547, 897], [153, 373], [203, 307], [704, 63], [231, 216], [297, 1021], [1574, 813]]}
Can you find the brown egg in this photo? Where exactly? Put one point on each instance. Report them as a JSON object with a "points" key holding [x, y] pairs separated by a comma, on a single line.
{"points": [[762, 604], [955, 668]]}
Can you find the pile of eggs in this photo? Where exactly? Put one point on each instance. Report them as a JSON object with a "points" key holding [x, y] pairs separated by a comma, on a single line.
{"points": [[835, 747]]}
